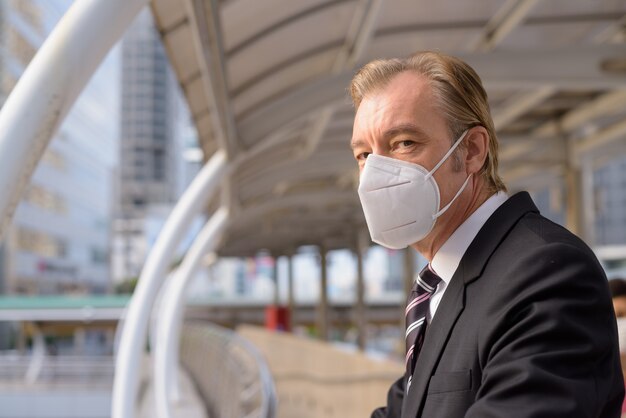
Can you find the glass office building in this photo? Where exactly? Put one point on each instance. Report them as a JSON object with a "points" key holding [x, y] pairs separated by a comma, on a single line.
{"points": [[59, 240], [155, 129]]}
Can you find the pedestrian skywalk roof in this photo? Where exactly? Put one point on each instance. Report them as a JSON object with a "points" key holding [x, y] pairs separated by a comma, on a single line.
{"points": [[267, 80]]}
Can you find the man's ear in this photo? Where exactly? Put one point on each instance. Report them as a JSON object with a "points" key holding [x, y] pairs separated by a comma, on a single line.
{"points": [[477, 148]]}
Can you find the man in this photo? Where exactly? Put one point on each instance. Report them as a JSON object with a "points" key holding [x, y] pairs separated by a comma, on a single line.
{"points": [[512, 316], [617, 286]]}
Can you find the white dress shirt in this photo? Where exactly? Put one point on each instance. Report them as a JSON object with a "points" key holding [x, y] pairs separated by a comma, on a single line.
{"points": [[447, 259]]}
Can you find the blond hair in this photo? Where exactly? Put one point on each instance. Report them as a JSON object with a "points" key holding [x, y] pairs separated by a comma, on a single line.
{"points": [[457, 88]]}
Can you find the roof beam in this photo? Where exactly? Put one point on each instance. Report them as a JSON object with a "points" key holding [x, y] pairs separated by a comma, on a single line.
{"points": [[614, 33], [310, 200], [578, 68], [204, 19], [359, 34], [519, 104], [293, 106], [532, 176], [605, 105], [598, 145], [503, 22], [601, 139], [574, 68]]}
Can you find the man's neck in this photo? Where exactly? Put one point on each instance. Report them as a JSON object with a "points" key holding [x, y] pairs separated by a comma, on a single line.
{"points": [[429, 246]]}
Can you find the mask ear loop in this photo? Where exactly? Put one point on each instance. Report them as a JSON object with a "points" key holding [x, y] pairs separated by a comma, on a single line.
{"points": [[445, 208], [445, 157]]}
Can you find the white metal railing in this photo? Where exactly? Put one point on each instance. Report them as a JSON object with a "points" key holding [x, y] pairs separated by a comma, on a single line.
{"points": [[61, 370], [134, 327], [229, 372], [170, 317]]}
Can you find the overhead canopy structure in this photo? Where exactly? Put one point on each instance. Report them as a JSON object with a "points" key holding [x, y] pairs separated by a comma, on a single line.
{"points": [[266, 81]]}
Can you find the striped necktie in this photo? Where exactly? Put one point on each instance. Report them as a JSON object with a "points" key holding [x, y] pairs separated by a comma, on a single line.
{"points": [[416, 310]]}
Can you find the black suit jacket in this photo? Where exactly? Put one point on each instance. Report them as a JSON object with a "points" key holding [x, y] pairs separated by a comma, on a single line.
{"points": [[526, 328]]}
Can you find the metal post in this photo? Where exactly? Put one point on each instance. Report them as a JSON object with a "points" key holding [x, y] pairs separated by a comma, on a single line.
{"points": [[133, 336], [579, 215], [79, 341], [166, 351], [38, 355], [588, 203], [574, 206], [21, 338], [322, 308], [290, 293], [360, 313], [275, 278], [49, 87]]}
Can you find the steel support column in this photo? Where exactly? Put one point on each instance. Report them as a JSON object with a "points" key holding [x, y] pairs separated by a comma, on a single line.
{"points": [[588, 203], [360, 311], [574, 207], [275, 279], [322, 307], [579, 215], [290, 293]]}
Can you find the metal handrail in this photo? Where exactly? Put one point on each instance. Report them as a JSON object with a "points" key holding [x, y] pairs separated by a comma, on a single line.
{"points": [[229, 372], [62, 369], [171, 311]]}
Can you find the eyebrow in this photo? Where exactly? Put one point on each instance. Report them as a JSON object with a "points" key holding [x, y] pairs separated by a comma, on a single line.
{"points": [[405, 128], [356, 143]]}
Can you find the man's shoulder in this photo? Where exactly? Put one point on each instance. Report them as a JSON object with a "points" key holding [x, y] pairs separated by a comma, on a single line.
{"points": [[517, 239], [539, 231], [536, 243], [521, 220]]}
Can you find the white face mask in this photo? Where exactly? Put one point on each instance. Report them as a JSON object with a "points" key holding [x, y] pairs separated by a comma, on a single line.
{"points": [[400, 199], [621, 334]]}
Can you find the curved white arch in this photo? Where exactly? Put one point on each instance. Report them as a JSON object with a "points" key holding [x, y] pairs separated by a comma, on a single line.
{"points": [[49, 87]]}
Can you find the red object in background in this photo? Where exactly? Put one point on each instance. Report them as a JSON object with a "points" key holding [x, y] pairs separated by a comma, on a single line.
{"points": [[277, 318]]}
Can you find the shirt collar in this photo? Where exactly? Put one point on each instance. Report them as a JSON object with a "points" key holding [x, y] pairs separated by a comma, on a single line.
{"points": [[447, 259]]}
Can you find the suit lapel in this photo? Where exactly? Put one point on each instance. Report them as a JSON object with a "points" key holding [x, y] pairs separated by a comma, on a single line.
{"points": [[453, 301]]}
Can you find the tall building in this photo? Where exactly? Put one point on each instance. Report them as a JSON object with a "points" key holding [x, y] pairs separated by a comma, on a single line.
{"points": [[149, 120], [59, 240], [155, 126]]}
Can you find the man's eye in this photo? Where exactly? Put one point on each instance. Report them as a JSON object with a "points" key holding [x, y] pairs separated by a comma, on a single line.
{"points": [[362, 156], [402, 146]]}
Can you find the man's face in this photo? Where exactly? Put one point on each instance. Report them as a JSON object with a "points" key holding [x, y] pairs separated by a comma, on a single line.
{"points": [[402, 121]]}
